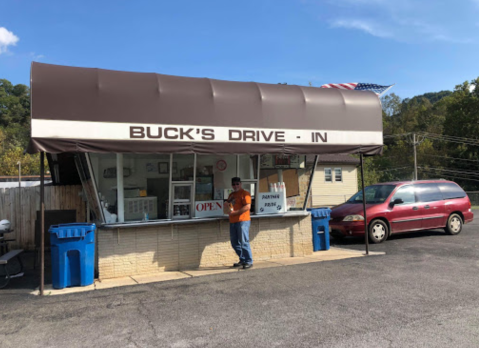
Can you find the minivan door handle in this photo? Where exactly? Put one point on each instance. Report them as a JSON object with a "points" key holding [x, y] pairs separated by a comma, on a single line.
{"points": [[427, 207], [414, 208]]}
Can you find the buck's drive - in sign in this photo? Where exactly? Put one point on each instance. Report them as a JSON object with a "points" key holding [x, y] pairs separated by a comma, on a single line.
{"points": [[179, 133]]}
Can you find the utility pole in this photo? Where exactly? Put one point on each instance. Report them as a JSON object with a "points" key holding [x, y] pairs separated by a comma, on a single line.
{"points": [[415, 156]]}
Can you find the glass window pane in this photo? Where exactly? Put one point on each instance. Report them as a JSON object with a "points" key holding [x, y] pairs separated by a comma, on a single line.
{"points": [[182, 201], [181, 211], [145, 180], [407, 194], [450, 190], [181, 194], [183, 167], [251, 188], [104, 169], [338, 174], [328, 177], [374, 194], [88, 186], [428, 193], [277, 176], [213, 176], [248, 167]]}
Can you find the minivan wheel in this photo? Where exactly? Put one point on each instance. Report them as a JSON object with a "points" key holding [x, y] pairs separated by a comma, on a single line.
{"points": [[454, 224], [378, 231]]}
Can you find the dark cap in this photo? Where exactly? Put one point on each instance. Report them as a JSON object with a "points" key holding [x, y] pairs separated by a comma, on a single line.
{"points": [[235, 179]]}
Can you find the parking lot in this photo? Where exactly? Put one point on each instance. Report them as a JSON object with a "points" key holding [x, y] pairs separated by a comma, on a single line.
{"points": [[423, 293]]}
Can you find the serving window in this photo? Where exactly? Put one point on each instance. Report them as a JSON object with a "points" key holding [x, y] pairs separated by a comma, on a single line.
{"points": [[174, 186], [284, 182]]}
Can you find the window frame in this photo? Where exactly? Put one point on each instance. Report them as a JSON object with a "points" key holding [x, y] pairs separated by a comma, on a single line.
{"points": [[341, 173], [331, 174]]}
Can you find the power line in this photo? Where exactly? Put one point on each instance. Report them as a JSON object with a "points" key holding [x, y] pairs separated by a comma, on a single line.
{"points": [[450, 175], [395, 135], [467, 173], [392, 169], [450, 138], [451, 158], [459, 165], [457, 140], [474, 140]]}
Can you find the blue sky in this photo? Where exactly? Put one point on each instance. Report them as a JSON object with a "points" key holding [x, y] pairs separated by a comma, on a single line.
{"points": [[421, 45]]}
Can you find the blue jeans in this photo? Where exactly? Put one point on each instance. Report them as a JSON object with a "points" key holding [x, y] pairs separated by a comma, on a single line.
{"points": [[239, 236]]}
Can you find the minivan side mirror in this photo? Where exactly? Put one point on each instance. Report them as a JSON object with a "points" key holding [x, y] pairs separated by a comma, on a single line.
{"points": [[398, 201]]}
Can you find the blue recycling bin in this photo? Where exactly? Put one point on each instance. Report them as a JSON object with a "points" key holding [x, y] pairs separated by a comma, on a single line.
{"points": [[73, 254], [320, 222]]}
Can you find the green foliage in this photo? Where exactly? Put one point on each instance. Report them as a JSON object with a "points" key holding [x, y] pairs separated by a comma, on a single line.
{"points": [[15, 129], [434, 97], [10, 159], [443, 113]]}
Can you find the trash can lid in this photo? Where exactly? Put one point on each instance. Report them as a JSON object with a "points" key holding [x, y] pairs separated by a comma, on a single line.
{"points": [[320, 212], [74, 230]]}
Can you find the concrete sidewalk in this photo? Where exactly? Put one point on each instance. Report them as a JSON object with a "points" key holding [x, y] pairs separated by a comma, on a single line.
{"points": [[332, 254]]}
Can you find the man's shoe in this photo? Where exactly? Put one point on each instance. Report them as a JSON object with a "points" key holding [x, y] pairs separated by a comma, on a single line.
{"points": [[238, 264], [247, 265]]}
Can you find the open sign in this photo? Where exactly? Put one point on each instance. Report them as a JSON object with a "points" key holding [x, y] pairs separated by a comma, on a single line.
{"points": [[209, 208]]}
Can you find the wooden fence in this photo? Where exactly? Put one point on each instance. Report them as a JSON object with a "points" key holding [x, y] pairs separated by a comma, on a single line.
{"points": [[19, 206]]}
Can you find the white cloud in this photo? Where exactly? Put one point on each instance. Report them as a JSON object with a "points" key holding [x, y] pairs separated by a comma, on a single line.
{"points": [[409, 21], [36, 57], [7, 38], [366, 26]]}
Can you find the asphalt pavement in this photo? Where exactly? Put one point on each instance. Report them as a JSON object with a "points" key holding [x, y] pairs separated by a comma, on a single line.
{"points": [[423, 293]]}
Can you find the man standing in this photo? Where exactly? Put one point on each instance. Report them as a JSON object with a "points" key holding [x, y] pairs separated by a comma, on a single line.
{"points": [[240, 222]]}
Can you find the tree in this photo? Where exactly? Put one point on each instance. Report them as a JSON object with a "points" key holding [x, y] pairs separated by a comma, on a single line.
{"points": [[14, 103], [462, 118], [15, 129], [10, 158]]}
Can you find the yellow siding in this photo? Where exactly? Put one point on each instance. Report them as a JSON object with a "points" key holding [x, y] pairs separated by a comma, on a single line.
{"points": [[334, 193]]}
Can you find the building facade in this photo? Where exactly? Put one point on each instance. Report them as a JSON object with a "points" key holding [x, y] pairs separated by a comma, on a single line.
{"points": [[335, 180]]}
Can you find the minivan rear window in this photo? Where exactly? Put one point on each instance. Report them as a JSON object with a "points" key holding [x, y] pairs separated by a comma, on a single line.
{"points": [[450, 190], [428, 192]]}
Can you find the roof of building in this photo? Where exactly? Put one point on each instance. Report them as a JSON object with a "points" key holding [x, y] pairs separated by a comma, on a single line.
{"points": [[338, 158], [155, 113]]}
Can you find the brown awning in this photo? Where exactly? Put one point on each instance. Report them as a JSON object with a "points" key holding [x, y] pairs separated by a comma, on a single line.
{"points": [[95, 110]]}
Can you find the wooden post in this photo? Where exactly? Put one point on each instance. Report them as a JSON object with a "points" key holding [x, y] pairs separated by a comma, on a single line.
{"points": [[42, 222]]}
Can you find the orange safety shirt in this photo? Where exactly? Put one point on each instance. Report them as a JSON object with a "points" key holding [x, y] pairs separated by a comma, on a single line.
{"points": [[239, 200]]}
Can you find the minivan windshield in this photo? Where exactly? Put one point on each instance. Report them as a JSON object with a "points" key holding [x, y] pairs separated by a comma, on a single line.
{"points": [[375, 194]]}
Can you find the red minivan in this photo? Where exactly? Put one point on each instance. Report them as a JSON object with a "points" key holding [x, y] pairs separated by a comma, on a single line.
{"points": [[402, 207]]}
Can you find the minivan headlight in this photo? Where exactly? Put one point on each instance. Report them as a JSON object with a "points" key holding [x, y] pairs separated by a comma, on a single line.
{"points": [[354, 218]]}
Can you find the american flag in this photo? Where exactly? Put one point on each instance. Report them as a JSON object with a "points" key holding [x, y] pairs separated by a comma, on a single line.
{"points": [[359, 86]]}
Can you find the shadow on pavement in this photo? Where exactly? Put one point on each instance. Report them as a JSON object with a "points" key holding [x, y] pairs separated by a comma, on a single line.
{"points": [[397, 236], [31, 278]]}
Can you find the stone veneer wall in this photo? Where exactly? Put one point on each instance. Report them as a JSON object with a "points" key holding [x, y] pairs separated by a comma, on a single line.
{"points": [[141, 250]]}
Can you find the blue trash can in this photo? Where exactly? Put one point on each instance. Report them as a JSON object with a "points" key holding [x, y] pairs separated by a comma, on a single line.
{"points": [[320, 222], [73, 254]]}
